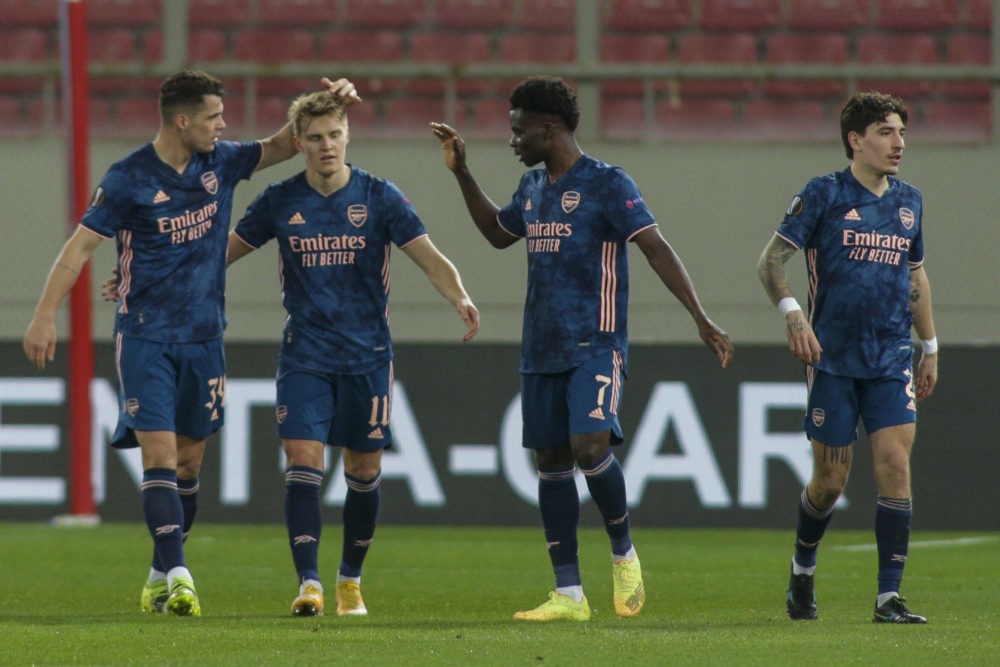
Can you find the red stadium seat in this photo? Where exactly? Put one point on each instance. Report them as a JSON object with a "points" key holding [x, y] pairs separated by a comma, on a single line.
{"points": [[791, 121], [22, 85], [410, 117], [354, 46], [635, 48], [738, 48], [225, 13], [898, 50], [26, 45], [968, 50], [36, 13], [450, 47], [385, 13], [653, 15], [966, 121], [299, 13], [546, 15], [537, 47], [812, 48], [916, 14], [491, 118], [10, 114], [696, 119], [112, 46], [124, 12], [207, 45], [138, 115], [976, 15], [827, 14], [740, 14], [477, 14], [622, 119], [273, 46]]}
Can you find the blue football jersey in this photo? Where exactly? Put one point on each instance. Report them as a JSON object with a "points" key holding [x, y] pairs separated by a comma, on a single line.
{"points": [[859, 251], [334, 266], [171, 233], [576, 231]]}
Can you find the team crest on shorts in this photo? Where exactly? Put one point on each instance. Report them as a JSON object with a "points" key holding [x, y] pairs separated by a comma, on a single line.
{"points": [[280, 413], [357, 214], [132, 406], [818, 416], [211, 182], [907, 218], [570, 200]]}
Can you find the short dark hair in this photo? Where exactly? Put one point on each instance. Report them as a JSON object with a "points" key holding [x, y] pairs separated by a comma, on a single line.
{"points": [[547, 95], [185, 91], [305, 108], [866, 108]]}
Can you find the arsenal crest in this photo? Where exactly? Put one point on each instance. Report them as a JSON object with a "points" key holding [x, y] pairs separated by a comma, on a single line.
{"points": [[818, 416], [281, 413], [907, 218], [357, 214], [570, 200], [211, 182]]}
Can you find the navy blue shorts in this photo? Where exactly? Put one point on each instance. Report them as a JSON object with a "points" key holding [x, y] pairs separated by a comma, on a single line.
{"points": [[836, 403], [177, 387], [344, 410], [582, 400]]}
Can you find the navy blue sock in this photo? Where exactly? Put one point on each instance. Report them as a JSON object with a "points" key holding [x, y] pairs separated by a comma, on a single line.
{"points": [[302, 518], [360, 516], [187, 489], [560, 508], [164, 516], [892, 535], [809, 531], [606, 483]]}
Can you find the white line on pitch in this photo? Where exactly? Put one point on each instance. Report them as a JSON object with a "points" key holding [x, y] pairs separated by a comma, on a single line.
{"points": [[957, 542]]}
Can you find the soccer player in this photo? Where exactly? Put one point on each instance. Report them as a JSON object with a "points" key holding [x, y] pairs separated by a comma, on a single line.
{"points": [[334, 224], [577, 215], [167, 205], [862, 231]]}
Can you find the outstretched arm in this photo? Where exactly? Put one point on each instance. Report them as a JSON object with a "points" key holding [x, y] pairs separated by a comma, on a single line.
{"points": [[279, 146], [802, 340], [444, 276], [923, 322], [40, 337], [481, 208], [237, 248], [670, 269]]}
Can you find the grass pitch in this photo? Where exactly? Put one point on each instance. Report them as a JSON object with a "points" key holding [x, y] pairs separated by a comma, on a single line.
{"points": [[444, 596]]}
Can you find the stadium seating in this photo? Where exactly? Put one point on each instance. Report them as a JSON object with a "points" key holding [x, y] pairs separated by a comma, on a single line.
{"points": [[622, 119], [645, 48], [123, 12], [737, 48], [208, 45], [955, 121], [696, 119], [111, 46], [491, 118], [384, 13], [740, 15], [353, 46], [297, 13], [537, 47], [786, 120], [26, 45], [34, 13], [472, 14], [274, 46], [410, 117], [968, 50], [976, 15], [450, 47], [827, 15], [653, 15], [919, 15], [552, 15], [816, 48], [898, 49], [221, 13]]}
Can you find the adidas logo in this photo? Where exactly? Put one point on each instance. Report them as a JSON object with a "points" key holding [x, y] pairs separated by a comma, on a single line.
{"points": [[852, 215], [911, 406], [597, 413], [297, 219], [527, 205], [160, 197], [376, 434]]}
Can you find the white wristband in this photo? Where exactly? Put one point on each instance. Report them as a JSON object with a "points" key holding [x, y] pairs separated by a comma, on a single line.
{"points": [[929, 346], [788, 304]]}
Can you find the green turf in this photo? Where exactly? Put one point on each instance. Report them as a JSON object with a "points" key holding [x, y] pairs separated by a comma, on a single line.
{"points": [[444, 596]]}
